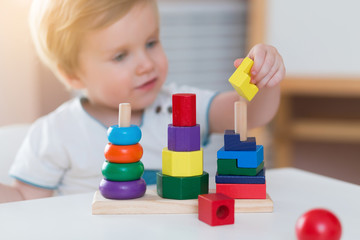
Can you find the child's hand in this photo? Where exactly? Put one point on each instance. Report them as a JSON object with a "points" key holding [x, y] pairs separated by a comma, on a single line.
{"points": [[268, 69]]}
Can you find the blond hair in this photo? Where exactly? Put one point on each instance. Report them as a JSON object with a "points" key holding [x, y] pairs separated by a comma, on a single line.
{"points": [[57, 28]]}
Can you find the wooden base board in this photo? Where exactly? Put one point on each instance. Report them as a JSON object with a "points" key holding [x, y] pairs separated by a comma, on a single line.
{"points": [[151, 203]]}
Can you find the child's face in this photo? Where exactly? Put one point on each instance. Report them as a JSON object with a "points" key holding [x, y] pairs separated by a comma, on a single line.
{"points": [[124, 62]]}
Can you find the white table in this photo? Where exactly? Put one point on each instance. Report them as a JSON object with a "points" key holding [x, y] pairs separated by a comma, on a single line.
{"points": [[293, 192]]}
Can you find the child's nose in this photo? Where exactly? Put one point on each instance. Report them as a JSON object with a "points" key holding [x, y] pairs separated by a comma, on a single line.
{"points": [[145, 64]]}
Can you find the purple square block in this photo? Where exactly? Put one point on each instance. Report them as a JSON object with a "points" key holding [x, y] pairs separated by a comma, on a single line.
{"points": [[184, 139]]}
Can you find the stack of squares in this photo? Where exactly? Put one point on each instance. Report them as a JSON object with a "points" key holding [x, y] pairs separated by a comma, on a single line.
{"points": [[240, 168]]}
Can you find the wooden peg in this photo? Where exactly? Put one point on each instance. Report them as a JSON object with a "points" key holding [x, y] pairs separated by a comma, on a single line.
{"points": [[124, 114], [241, 118]]}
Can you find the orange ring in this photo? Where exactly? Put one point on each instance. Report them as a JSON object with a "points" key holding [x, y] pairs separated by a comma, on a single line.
{"points": [[123, 153]]}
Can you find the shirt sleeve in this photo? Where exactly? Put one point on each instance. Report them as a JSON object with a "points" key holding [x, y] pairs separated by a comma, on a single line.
{"points": [[41, 160], [204, 99]]}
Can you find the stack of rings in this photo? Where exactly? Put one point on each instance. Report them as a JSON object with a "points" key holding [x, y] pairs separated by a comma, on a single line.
{"points": [[123, 169]]}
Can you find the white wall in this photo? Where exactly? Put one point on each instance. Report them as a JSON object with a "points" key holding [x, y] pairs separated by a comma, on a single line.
{"points": [[316, 37]]}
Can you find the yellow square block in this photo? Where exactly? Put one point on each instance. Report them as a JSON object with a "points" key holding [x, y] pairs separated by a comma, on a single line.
{"points": [[240, 80], [182, 164]]}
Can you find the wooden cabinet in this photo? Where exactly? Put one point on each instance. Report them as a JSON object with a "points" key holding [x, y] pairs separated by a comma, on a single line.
{"points": [[335, 119]]}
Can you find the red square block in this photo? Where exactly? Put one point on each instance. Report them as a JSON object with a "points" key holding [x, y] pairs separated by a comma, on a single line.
{"points": [[242, 191], [184, 109], [216, 209]]}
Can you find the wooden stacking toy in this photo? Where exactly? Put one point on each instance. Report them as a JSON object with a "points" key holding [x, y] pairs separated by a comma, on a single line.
{"points": [[240, 164], [123, 169], [182, 175], [182, 178]]}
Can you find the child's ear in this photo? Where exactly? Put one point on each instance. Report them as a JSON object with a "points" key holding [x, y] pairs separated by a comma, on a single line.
{"points": [[71, 80]]}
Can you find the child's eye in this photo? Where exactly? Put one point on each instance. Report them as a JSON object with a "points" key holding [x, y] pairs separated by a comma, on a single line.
{"points": [[151, 44], [119, 57]]}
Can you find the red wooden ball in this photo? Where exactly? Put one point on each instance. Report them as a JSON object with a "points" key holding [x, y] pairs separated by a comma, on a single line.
{"points": [[318, 224]]}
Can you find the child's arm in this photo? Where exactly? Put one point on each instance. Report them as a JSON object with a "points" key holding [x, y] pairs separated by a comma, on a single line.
{"points": [[267, 72], [22, 191]]}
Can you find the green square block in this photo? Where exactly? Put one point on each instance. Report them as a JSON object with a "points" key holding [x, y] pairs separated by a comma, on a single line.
{"points": [[229, 167], [182, 187]]}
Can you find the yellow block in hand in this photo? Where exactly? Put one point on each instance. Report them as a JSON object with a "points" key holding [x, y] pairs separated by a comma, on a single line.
{"points": [[240, 80], [182, 164]]}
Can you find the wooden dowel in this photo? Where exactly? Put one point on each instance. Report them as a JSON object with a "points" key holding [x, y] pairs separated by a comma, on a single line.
{"points": [[124, 114], [241, 119]]}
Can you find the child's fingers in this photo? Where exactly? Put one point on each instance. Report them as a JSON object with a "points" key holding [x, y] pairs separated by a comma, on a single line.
{"points": [[269, 79], [266, 67], [278, 76], [257, 54], [237, 62], [263, 81]]}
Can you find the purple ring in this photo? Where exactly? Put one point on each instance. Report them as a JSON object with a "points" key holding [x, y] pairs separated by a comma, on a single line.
{"points": [[122, 190]]}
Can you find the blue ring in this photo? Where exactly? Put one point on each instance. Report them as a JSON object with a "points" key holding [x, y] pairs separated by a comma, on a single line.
{"points": [[124, 135]]}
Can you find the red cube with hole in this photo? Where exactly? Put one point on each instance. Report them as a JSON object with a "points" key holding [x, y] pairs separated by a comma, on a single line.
{"points": [[216, 209], [184, 109]]}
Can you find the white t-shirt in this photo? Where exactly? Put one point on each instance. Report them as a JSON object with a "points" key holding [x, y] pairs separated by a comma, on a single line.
{"points": [[64, 150]]}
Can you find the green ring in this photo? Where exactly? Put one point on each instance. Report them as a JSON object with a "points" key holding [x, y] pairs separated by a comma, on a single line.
{"points": [[122, 172]]}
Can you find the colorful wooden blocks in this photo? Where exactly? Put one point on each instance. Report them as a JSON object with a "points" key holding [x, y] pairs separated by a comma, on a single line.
{"points": [[240, 80], [123, 169], [229, 167], [122, 172], [240, 154], [182, 187], [182, 175], [122, 190], [184, 110], [240, 173], [244, 159], [216, 209], [123, 153], [184, 139], [124, 135], [182, 164], [232, 142], [258, 179], [242, 191]]}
